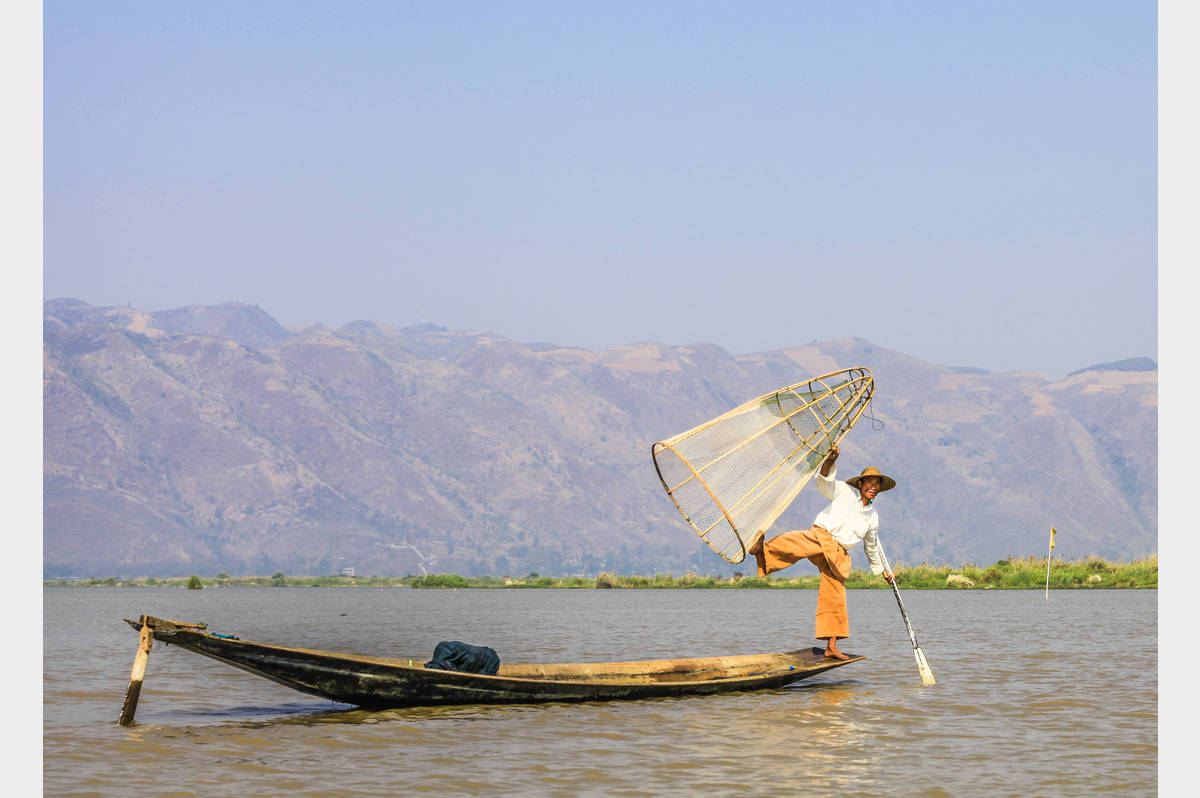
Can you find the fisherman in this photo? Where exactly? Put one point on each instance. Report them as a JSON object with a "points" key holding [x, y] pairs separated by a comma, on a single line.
{"points": [[849, 518]]}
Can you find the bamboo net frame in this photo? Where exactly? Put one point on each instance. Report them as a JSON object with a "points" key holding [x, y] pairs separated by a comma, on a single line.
{"points": [[733, 476]]}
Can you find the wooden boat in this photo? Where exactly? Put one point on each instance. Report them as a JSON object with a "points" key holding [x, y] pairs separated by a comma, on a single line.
{"points": [[378, 682]]}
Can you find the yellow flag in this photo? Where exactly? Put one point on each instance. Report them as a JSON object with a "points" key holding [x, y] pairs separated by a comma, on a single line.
{"points": [[1053, 531]]}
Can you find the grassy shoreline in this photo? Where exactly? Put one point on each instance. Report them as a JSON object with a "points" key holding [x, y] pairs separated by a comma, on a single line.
{"points": [[1018, 573]]}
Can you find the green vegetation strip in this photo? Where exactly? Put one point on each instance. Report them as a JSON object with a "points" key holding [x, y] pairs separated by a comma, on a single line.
{"points": [[1011, 574]]}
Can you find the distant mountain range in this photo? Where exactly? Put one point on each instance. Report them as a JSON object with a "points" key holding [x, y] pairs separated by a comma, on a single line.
{"points": [[210, 438]]}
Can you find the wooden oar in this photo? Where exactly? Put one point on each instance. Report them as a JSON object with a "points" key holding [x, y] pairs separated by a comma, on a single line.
{"points": [[922, 665]]}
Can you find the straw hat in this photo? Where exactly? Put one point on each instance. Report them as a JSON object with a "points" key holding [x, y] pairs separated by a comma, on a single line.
{"points": [[887, 482]]}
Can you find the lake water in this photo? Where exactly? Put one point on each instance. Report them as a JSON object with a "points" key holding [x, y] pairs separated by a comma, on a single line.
{"points": [[1034, 697]]}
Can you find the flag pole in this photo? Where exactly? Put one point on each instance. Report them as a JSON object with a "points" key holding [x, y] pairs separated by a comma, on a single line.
{"points": [[1049, 554]]}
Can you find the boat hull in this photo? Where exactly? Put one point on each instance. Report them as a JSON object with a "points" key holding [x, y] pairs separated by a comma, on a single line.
{"points": [[376, 682]]}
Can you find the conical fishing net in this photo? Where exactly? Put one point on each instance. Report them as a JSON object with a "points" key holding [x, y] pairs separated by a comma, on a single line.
{"points": [[733, 476]]}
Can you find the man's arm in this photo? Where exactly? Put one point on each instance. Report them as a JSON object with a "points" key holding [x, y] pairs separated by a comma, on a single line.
{"points": [[830, 459], [825, 482]]}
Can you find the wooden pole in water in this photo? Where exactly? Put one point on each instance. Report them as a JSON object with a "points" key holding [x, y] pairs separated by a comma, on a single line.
{"points": [[145, 643]]}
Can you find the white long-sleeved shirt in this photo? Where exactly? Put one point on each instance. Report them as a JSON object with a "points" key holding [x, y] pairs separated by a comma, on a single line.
{"points": [[847, 520]]}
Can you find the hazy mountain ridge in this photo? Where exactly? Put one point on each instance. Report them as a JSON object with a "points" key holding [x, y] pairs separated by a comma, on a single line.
{"points": [[211, 438]]}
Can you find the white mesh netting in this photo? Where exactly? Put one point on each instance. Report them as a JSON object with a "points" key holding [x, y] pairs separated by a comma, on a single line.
{"points": [[732, 477]]}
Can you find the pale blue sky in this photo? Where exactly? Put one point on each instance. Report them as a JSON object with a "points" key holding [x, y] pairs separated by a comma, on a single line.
{"points": [[968, 183]]}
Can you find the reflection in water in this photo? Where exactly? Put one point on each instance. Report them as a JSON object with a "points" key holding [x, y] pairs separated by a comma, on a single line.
{"points": [[205, 728], [813, 736], [283, 712], [832, 694]]}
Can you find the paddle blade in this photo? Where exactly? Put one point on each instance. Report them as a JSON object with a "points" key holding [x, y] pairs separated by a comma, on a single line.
{"points": [[923, 667]]}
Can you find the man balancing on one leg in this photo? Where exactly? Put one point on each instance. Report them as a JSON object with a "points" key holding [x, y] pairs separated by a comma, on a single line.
{"points": [[849, 518]]}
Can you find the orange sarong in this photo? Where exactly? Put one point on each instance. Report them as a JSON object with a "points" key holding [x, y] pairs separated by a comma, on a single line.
{"points": [[818, 547]]}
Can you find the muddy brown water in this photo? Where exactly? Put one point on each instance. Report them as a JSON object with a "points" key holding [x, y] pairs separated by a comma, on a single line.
{"points": [[1006, 717]]}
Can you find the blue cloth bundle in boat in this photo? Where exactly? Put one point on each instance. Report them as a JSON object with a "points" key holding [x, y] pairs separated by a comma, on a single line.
{"points": [[451, 655]]}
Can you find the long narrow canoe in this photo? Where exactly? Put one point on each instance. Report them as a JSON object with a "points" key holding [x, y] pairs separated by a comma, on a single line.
{"points": [[378, 682]]}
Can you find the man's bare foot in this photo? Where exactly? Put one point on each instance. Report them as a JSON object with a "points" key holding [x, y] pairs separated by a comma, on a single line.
{"points": [[831, 652]]}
